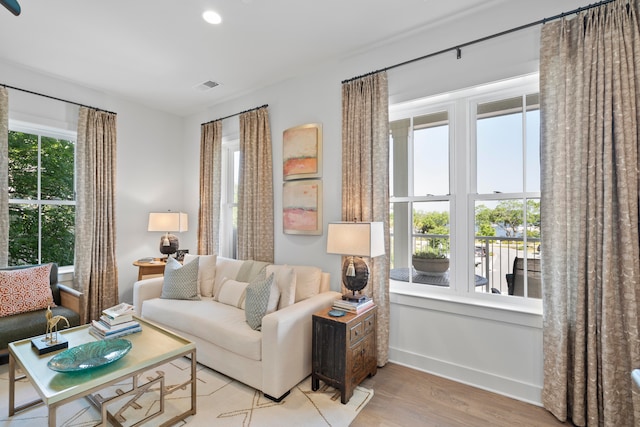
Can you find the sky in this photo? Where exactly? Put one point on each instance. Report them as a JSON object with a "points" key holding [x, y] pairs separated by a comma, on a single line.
{"points": [[499, 159]]}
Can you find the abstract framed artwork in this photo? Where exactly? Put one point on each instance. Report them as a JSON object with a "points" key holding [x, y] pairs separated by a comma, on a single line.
{"points": [[302, 207], [302, 152]]}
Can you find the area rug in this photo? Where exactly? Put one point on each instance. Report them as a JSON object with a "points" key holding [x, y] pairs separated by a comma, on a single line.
{"points": [[221, 401]]}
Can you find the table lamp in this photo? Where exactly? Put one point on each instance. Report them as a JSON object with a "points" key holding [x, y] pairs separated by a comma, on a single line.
{"points": [[168, 222], [355, 240]]}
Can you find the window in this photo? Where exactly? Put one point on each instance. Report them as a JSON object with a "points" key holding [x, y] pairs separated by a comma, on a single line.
{"points": [[420, 188], [507, 197], [465, 186], [229, 202], [41, 195]]}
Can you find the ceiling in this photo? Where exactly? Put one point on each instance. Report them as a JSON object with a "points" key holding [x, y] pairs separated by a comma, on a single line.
{"points": [[156, 52]]}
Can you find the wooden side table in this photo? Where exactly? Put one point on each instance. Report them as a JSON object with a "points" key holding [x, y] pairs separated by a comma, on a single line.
{"points": [[344, 350], [149, 268]]}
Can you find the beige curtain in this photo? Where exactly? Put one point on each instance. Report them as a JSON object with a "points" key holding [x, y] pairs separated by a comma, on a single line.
{"points": [[96, 271], [255, 192], [365, 180], [4, 176], [210, 187], [589, 70]]}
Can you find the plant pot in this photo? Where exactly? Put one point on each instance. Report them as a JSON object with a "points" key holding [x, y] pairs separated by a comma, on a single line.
{"points": [[431, 265]]}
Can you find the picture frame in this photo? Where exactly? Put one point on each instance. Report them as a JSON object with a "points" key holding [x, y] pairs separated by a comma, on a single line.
{"points": [[302, 207], [302, 152]]}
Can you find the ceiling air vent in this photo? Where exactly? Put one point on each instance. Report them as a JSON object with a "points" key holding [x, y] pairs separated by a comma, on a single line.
{"points": [[205, 86]]}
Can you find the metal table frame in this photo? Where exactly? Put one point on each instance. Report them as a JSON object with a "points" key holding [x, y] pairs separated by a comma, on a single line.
{"points": [[152, 347]]}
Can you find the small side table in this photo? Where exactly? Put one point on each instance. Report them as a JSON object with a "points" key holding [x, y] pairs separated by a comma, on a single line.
{"points": [[344, 350], [149, 268]]}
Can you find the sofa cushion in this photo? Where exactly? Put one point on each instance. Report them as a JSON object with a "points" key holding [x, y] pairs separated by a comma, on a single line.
{"points": [[251, 269], [25, 290], [206, 272], [232, 292], [180, 281], [307, 281], [225, 268], [258, 296], [220, 324], [286, 281], [24, 325]]}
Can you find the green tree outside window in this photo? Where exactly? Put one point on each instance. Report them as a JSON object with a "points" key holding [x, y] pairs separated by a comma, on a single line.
{"points": [[41, 199]]}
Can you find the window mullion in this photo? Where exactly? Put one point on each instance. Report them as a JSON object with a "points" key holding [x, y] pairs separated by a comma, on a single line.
{"points": [[525, 255], [39, 197]]}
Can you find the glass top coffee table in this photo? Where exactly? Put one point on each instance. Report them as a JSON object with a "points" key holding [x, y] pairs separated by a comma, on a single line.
{"points": [[152, 347]]}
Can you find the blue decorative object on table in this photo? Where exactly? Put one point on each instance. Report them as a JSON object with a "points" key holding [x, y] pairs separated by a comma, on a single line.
{"points": [[90, 355], [337, 313]]}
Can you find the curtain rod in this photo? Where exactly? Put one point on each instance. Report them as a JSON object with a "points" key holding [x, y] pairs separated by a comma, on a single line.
{"points": [[458, 48], [236, 114], [54, 98]]}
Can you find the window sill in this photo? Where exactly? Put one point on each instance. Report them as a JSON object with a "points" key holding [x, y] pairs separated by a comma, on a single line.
{"points": [[485, 306], [65, 274]]}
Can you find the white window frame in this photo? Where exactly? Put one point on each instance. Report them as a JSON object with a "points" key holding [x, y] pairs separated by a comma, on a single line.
{"points": [[462, 158], [51, 132], [230, 146]]}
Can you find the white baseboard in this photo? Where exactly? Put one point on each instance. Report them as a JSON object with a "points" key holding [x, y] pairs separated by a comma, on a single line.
{"points": [[530, 393]]}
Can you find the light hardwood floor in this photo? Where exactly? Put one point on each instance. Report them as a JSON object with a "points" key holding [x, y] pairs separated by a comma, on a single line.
{"points": [[406, 397]]}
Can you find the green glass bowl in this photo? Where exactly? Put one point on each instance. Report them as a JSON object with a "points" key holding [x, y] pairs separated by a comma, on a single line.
{"points": [[90, 355]]}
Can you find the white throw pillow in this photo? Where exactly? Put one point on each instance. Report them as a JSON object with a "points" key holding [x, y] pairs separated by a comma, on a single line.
{"points": [[286, 281], [307, 281], [226, 268], [274, 295], [206, 272], [232, 292]]}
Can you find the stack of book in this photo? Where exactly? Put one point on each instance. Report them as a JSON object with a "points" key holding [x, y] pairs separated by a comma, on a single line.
{"points": [[352, 306], [115, 322]]}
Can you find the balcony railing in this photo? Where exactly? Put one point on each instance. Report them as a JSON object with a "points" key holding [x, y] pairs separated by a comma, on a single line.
{"points": [[493, 256]]}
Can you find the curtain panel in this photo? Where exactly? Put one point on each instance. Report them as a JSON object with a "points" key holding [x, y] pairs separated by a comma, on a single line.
{"points": [[210, 188], [96, 271], [589, 87], [365, 180], [4, 176], [255, 192]]}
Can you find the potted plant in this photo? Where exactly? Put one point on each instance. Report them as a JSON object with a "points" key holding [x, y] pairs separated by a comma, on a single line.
{"points": [[430, 260]]}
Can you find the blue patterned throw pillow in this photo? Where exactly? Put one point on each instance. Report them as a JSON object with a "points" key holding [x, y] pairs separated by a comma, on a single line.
{"points": [[180, 281], [256, 301]]}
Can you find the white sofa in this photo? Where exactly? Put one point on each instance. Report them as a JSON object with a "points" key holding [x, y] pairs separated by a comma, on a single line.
{"points": [[273, 359]]}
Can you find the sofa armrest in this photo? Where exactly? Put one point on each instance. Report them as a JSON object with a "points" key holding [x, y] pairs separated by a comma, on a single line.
{"points": [[144, 290], [286, 343], [72, 299]]}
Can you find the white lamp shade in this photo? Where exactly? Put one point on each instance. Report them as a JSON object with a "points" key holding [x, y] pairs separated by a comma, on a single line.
{"points": [[356, 238], [168, 221]]}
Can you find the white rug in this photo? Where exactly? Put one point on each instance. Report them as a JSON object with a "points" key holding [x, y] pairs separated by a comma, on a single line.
{"points": [[221, 401]]}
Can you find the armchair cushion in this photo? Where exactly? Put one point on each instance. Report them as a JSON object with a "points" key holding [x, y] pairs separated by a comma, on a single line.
{"points": [[24, 290]]}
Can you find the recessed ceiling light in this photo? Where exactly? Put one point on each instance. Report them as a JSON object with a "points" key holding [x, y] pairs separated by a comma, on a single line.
{"points": [[212, 17]]}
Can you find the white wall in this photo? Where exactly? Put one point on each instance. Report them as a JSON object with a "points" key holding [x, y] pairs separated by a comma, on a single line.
{"points": [[492, 347], [148, 156]]}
